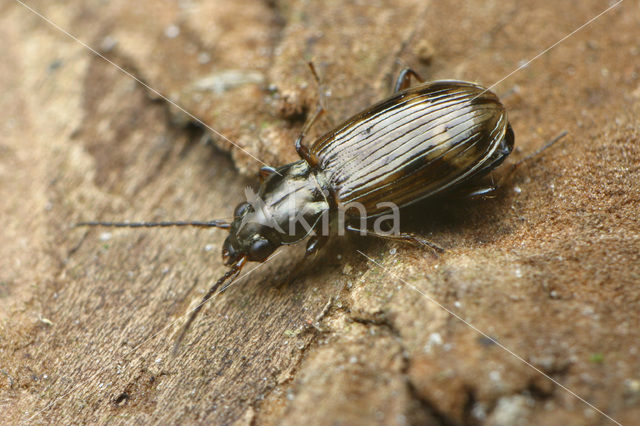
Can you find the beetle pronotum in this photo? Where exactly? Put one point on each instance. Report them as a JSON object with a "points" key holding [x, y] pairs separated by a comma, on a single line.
{"points": [[419, 142]]}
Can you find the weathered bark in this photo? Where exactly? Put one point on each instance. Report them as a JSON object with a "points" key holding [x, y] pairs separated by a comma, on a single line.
{"points": [[549, 268]]}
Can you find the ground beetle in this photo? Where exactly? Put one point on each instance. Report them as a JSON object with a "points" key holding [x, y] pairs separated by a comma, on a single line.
{"points": [[419, 142]]}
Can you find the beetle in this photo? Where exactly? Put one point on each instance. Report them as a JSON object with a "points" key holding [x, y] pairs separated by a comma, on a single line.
{"points": [[419, 142]]}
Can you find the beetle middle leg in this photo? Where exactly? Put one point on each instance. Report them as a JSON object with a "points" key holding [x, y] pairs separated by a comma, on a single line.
{"points": [[404, 79], [303, 150], [404, 237], [315, 243]]}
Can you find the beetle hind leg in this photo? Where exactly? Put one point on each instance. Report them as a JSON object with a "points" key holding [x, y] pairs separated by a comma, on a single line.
{"points": [[482, 192], [491, 190], [480, 189]]}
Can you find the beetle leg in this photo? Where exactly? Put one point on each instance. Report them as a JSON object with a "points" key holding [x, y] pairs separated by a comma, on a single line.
{"points": [[404, 79], [322, 94], [303, 150], [265, 172], [534, 154], [315, 243], [479, 191], [490, 190], [405, 237], [482, 192]]}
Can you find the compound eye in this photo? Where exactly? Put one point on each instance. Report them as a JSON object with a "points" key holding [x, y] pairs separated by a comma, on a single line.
{"points": [[260, 250], [241, 209]]}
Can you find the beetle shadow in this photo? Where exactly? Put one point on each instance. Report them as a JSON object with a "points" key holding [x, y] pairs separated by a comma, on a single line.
{"points": [[456, 220], [451, 221]]}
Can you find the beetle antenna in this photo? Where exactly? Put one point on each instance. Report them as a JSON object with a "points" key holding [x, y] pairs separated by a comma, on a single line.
{"points": [[230, 275], [198, 224]]}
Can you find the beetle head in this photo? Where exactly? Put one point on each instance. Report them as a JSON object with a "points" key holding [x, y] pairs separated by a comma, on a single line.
{"points": [[249, 237]]}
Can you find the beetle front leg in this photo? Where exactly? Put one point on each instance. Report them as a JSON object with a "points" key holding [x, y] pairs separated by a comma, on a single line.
{"points": [[404, 79]]}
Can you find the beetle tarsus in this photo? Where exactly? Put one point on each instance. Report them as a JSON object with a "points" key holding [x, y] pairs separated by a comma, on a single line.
{"points": [[404, 237], [436, 250], [315, 243]]}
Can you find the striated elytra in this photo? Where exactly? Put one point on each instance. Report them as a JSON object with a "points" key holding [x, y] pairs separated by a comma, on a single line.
{"points": [[417, 143]]}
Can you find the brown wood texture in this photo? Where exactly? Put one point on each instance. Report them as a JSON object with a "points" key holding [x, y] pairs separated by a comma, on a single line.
{"points": [[550, 267]]}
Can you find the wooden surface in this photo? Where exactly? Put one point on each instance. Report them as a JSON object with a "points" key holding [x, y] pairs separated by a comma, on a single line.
{"points": [[550, 268]]}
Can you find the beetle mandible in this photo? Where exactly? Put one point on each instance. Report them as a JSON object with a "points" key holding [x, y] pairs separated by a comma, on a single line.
{"points": [[419, 142]]}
